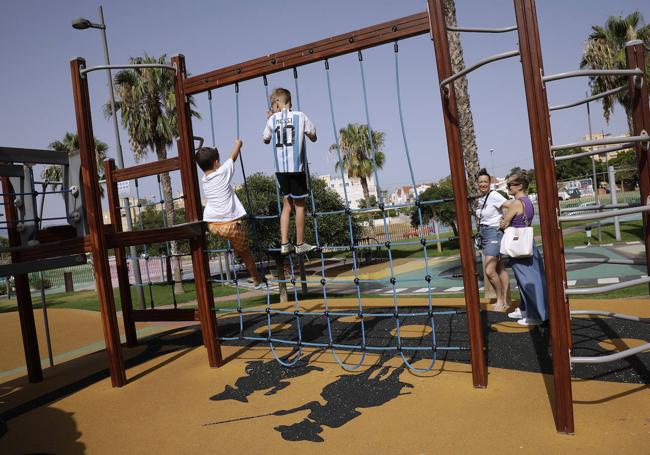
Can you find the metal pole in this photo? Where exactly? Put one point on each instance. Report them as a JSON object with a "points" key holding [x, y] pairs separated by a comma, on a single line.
{"points": [[46, 322], [612, 189], [135, 263], [594, 182], [492, 161]]}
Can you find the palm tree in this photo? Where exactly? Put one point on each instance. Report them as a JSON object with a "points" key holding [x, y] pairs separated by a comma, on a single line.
{"points": [[147, 105], [70, 144], [605, 49], [465, 120], [356, 159]]}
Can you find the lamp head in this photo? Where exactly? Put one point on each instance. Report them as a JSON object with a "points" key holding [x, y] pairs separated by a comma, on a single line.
{"points": [[81, 23]]}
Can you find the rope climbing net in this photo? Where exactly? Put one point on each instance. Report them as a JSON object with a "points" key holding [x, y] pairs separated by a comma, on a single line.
{"points": [[299, 316]]}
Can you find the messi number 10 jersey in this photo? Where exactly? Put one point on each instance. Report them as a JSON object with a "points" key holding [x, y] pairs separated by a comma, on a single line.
{"points": [[286, 130]]}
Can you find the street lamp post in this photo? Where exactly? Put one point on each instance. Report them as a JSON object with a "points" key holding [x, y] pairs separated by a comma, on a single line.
{"points": [[594, 183], [81, 23], [492, 160]]}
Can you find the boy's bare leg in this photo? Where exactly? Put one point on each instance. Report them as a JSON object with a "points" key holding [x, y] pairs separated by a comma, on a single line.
{"points": [[300, 221], [285, 218], [246, 256]]}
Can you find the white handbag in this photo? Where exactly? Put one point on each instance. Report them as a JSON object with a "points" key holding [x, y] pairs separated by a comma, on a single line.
{"points": [[517, 242]]}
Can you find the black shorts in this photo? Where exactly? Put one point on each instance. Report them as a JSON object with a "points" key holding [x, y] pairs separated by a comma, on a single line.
{"points": [[292, 184]]}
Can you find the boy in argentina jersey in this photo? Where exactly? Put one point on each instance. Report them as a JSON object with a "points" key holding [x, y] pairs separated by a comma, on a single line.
{"points": [[286, 130]]}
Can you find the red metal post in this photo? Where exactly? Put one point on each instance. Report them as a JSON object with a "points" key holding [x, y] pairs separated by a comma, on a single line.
{"points": [[459, 182], [638, 91], [120, 256], [97, 235], [23, 295], [540, 134], [193, 213]]}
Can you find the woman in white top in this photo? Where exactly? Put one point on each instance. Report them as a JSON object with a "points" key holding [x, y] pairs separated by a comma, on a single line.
{"points": [[488, 215]]}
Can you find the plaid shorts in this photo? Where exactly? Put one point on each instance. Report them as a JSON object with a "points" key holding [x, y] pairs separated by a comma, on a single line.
{"points": [[231, 230]]}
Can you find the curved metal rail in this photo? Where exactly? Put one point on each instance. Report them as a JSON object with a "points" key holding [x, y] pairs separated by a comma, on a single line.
{"points": [[604, 261], [590, 208], [602, 215], [608, 288], [612, 357], [477, 65], [626, 317], [606, 141], [482, 29], [588, 99], [128, 66], [581, 73], [600, 151]]}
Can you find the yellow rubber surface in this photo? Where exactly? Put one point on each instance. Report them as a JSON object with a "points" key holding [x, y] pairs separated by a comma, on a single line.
{"points": [[166, 408]]}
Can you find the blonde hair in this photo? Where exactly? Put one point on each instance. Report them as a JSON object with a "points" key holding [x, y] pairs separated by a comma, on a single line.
{"points": [[282, 95]]}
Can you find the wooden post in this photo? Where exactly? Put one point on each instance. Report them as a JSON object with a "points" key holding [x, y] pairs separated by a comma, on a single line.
{"points": [[69, 282], [97, 235], [193, 213], [459, 182], [638, 91], [23, 294], [120, 256], [540, 135]]}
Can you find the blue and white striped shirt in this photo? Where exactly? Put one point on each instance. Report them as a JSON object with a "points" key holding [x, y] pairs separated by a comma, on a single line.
{"points": [[286, 130]]}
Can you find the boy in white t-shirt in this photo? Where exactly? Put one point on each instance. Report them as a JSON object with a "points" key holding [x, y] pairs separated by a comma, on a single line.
{"points": [[223, 211], [287, 129]]}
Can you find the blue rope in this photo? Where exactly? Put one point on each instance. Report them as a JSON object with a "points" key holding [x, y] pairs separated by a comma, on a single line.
{"points": [[298, 343], [212, 118]]}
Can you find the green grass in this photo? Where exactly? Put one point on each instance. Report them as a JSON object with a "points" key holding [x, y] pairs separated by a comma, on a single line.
{"points": [[87, 300]]}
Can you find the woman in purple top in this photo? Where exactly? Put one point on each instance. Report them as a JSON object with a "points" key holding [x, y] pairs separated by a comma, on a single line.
{"points": [[529, 272]]}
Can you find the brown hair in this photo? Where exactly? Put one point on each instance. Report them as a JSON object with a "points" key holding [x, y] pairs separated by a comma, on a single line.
{"points": [[206, 157], [522, 178], [281, 94]]}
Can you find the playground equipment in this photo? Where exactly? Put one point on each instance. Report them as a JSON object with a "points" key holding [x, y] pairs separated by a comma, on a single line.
{"points": [[101, 238], [34, 247]]}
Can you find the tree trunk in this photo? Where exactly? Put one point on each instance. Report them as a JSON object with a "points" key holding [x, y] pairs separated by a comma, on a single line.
{"points": [[282, 287], [454, 229], [465, 120], [168, 198], [366, 193]]}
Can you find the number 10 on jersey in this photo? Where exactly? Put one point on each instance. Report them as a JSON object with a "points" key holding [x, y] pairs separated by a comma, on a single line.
{"points": [[285, 135]]}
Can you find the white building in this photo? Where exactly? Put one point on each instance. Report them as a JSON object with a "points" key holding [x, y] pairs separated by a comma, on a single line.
{"points": [[405, 194], [352, 187]]}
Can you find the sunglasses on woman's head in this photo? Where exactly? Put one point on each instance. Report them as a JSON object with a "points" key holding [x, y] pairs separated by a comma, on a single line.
{"points": [[509, 184]]}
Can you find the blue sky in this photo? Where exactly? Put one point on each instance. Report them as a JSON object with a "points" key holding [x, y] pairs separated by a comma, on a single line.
{"points": [[37, 43]]}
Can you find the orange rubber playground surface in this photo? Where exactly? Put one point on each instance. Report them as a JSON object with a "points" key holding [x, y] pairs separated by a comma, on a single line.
{"points": [[174, 403]]}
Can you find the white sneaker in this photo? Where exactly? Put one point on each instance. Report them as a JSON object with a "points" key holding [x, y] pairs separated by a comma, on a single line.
{"points": [[259, 285], [529, 322], [517, 314], [305, 248], [286, 248]]}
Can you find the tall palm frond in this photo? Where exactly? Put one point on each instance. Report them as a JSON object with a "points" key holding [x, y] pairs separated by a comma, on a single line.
{"points": [[605, 49]]}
